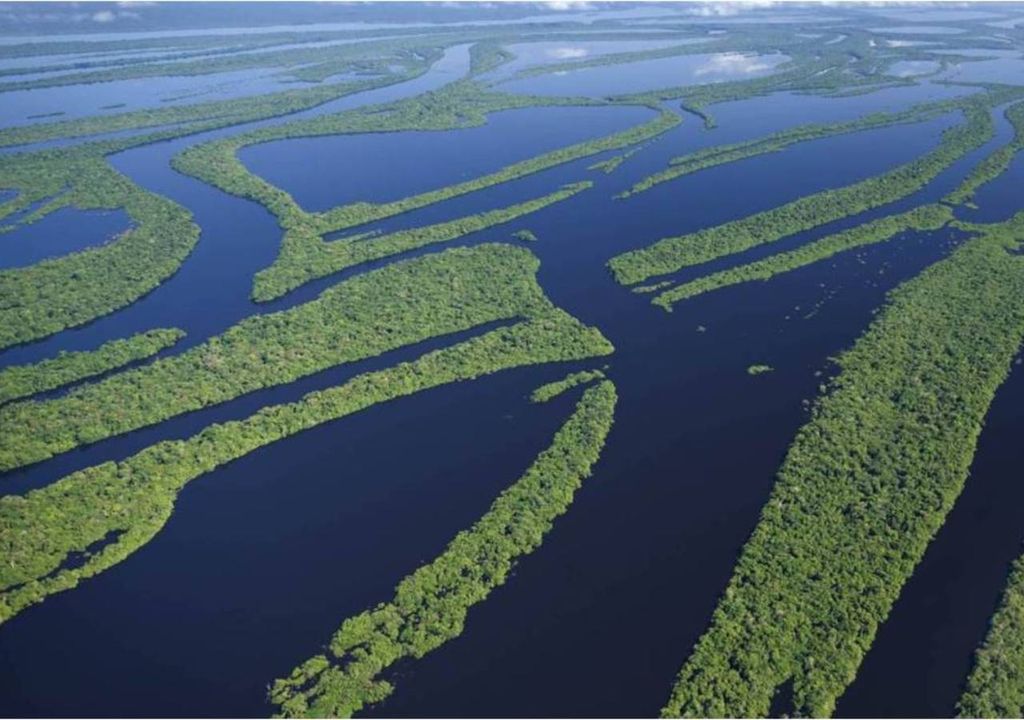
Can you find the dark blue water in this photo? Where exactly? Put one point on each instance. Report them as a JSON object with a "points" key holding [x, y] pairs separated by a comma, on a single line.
{"points": [[264, 558], [998, 201], [390, 166], [1003, 70], [65, 231]]}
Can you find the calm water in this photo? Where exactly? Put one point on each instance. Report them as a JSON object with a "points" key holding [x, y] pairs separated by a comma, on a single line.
{"points": [[1003, 70], [265, 557], [390, 166], [546, 53], [645, 75], [918, 30], [83, 100]]}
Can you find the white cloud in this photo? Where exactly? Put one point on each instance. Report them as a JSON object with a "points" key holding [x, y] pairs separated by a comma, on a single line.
{"points": [[563, 5], [727, 8], [70, 13], [731, 64], [567, 53]]}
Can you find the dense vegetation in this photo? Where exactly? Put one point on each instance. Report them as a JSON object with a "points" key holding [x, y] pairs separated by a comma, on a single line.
{"points": [[995, 687], [430, 605], [378, 311], [553, 389], [128, 502], [925, 218], [671, 254], [869, 479], [20, 381]]}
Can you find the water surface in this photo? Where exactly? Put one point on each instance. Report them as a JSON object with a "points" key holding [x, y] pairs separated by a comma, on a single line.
{"points": [[644, 75]]}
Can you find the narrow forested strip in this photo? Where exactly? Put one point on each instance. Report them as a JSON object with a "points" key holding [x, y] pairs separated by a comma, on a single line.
{"points": [[869, 480], [671, 254], [553, 389], [130, 501], [995, 687], [927, 217], [305, 257], [612, 164], [362, 317], [430, 605], [20, 381]]}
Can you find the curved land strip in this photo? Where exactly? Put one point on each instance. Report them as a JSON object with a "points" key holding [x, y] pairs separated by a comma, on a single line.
{"points": [[672, 254], [102, 514], [995, 687], [430, 605], [870, 480], [486, 56], [22, 381], [379, 311], [304, 255]]}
